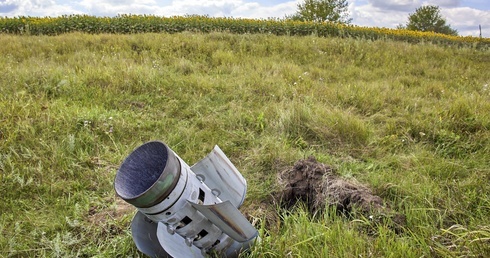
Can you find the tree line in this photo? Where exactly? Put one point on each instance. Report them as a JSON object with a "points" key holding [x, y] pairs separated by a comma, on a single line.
{"points": [[425, 18]]}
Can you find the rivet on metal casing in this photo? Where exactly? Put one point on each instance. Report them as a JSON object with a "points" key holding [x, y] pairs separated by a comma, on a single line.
{"points": [[189, 241], [201, 178], [216, 192], [171, 229]]}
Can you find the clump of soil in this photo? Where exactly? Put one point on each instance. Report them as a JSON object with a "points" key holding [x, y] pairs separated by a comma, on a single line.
{"points": [[318, 186]]}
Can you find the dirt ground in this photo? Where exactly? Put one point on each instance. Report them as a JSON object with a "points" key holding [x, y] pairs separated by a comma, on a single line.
{"points": [[100, 216], [318, 186]]}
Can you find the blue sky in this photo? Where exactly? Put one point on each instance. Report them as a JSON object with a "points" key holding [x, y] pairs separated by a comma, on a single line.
{"points": [[465, 16]]}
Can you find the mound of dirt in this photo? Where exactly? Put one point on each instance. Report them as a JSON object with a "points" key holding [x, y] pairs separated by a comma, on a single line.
{"points": [[318, 186]]}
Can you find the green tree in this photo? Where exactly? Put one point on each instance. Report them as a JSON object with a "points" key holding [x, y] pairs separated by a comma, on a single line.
{"points": [[429, 18], [322, 10]]}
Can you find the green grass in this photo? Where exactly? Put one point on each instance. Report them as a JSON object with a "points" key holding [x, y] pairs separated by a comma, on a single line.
{"points": [[410, 121]]}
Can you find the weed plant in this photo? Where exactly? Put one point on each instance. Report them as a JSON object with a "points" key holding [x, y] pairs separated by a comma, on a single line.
{"points": [[410, 121]]}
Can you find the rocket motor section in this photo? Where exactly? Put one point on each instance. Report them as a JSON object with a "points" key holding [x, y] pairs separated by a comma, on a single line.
{"points": [[184, 211]]}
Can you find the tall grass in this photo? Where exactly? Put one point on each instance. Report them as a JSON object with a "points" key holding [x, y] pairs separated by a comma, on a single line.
{"points": [[411, 121]]}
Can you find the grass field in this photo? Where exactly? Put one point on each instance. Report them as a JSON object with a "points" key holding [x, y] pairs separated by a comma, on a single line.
{"points": [[410, 121]]}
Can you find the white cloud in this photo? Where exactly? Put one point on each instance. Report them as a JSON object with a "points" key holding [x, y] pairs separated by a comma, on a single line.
{"points": [[8, 6], [395, 5], [373, 16], [114, 7], [411, 5], [443, 3], [34, 8], [255, 10], [210, 7], [466, 20]]}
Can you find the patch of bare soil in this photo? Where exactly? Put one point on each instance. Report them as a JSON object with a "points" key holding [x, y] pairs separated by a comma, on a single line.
{"points": [[317, 185], [99, 216]]}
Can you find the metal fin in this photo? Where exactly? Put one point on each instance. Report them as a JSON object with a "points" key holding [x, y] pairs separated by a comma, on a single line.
{"points": [[220, 174], [229, 219], [144, 233]]}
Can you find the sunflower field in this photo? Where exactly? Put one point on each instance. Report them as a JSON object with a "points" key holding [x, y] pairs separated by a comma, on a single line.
{"points": [[130, 24]]}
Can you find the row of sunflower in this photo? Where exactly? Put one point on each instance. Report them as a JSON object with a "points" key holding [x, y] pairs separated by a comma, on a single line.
{"points": [[124, 24]]}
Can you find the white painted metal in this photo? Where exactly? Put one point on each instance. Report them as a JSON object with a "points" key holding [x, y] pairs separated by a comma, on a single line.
{"points": [[230, 220], [219, 174], [199, 215]]}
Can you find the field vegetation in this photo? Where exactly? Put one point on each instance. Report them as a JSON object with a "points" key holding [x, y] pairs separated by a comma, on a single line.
{"points": [[410, 121], [296, 25]]}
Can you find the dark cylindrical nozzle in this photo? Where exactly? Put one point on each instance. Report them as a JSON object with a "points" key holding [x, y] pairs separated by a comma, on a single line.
{"points": [[148, 175]]}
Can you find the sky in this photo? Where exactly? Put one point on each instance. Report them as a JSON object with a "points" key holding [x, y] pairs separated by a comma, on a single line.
{"points": [[463, 15]]}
